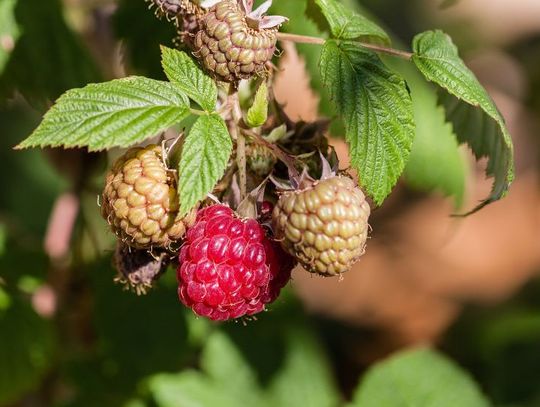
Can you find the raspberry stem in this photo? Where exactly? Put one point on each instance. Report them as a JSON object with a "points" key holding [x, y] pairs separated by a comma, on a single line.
{"points": [[197, 112], [305, 39], [240, 141]]}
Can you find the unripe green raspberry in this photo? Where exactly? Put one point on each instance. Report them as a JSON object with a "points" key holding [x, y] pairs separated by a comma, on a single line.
{"points": [[140, 201], [233, 46], [324, 226], [260, 160]]}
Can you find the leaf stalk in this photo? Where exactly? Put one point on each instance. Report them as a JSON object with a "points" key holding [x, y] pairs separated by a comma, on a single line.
{"points": [[240, 141], [305, 39]]}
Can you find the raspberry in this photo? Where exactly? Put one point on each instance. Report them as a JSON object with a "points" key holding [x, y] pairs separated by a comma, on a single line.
{"points": [[138, 269], [229, 268], [235, 43], [140, 201], [323, 226], [260, 160]]}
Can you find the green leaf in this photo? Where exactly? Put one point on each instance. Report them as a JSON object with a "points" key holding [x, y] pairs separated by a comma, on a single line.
{"points": [[226, 380], [258, 112], [469, 108], [118, 113], [348, 25], [205, 154], [9, 30], [258, 366], [302, 378], [377, 111], [419, 378], [220, 358], [436, 162], [184, 72], [190, 389], [305, 378]]}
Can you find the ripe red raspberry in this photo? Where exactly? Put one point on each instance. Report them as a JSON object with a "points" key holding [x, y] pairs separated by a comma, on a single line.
{"points": [[229, 267]]}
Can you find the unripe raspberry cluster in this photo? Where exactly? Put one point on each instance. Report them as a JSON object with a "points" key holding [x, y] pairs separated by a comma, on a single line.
{"points": [[229, 267]]}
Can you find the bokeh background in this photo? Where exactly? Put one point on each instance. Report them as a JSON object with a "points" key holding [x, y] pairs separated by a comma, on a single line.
{"points": [[468, 286]]}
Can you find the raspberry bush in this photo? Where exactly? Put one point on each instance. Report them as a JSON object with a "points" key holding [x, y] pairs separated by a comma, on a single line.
{"points": [[214, 206], [240, 148]]}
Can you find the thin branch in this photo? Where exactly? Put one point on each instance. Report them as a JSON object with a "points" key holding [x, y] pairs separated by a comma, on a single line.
{"points": [[305, 39], [301, 39], [240, 142]]}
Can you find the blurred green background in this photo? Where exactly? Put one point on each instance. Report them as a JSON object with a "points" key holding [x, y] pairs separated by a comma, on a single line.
{"points": [[69, 336]]}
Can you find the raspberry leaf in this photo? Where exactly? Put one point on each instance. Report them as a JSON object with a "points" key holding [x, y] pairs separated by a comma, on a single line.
{"points": [[420, 378], [469, 108], [377, 111], [118, 113], [345, 24], [305, 378], [436, 162], [297, 372], [258, 112], [215, 385], [184, 73], [9, 30], [205, 154]]}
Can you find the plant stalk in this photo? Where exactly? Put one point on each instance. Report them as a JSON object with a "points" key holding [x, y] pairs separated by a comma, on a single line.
{"points": [[240, 142], [305, 39]]}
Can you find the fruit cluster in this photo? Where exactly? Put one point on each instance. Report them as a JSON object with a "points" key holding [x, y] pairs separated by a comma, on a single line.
{"points": [[234, 257], [228, 266]]}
